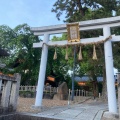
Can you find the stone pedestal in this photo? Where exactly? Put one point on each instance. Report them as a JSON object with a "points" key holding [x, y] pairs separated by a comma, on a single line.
{"points": [[110, 116], [62, 92]]}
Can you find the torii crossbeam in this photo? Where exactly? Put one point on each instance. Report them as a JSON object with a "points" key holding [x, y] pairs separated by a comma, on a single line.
{"points": [[105, 24]]}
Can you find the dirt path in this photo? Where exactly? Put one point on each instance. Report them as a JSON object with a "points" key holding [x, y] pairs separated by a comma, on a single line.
{"points": [[24, 104]]}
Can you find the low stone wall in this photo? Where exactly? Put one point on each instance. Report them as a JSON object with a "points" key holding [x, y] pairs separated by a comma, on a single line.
{"points": [[6, 110], [17, 116], [31, 117]]}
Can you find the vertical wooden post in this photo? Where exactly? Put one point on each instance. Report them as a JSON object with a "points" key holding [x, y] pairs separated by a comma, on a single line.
{"points": [[6, 94], [15, 91]]}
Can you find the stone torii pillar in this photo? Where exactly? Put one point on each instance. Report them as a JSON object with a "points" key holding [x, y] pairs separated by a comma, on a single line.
{"points": [[41, 78], [118, 81], [109, 72]]}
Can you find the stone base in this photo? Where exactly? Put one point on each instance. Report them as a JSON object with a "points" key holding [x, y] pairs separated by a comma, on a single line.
{"points": [[48, 96], [60, 97], [110, 116], [39, 108]]}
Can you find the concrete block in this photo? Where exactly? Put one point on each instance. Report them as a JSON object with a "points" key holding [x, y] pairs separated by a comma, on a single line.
{"points": [[110, 116]]}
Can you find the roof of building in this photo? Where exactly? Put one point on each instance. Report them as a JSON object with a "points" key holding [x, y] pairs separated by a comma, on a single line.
{"points": [[87, 78]]}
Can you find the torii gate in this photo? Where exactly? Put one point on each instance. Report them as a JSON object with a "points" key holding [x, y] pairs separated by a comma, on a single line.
{"points": [[104, 24]]}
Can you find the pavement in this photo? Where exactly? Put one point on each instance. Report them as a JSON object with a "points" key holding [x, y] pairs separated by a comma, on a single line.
{"points": [[83, 111]]}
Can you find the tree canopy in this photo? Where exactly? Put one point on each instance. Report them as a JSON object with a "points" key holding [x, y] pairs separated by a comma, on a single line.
{"points": [[23, 58], [77, 10]]}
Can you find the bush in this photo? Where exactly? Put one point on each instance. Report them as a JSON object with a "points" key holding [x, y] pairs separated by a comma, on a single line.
{"points": [[27, 94], [76, 86]]}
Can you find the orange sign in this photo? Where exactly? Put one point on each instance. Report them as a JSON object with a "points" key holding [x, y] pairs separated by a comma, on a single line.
{"points": [[50, 78], [81, 83]]}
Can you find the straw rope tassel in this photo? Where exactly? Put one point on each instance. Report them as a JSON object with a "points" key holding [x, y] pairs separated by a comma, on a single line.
{"points": [[55, 55], [66, 55], [80, 54], [94, 53]]}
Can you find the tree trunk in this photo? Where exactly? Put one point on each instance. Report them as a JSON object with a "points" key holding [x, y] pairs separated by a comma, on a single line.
{"points": [[95, 84], [104, 90], [95, 89], [81, 10]]}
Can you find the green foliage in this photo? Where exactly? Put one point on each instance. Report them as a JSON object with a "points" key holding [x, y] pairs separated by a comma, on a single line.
{"points": [[89, 84], [23, 57], [77, 10], [76, 86], [63, 37], [27, 94]]}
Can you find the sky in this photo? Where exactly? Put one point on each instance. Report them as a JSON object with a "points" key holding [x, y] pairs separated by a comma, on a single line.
{"points": [[35, 13]]}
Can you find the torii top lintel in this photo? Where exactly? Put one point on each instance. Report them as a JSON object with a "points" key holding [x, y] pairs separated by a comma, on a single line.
{"points": [[84, 25]]}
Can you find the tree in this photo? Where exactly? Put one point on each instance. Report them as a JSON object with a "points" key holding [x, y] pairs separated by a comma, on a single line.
{"points": [[78, 10], [23, 58]]}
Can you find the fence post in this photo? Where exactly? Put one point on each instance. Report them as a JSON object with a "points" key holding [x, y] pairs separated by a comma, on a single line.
{"points": [[99, 95], [15, 91], [21, 88], [57, 89], [82, 92], [85, 94], [76, 94], [6, 93], [25, 88], [50, 89], [69, 97], [33, 88], [79, 94]]}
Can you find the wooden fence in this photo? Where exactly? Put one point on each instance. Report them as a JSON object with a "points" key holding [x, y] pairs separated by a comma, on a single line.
{"points": [[9, 92], [49, 89]]}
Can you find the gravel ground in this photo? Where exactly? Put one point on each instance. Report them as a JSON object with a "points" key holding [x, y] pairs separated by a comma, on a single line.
{"points": [[25, 104]]}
